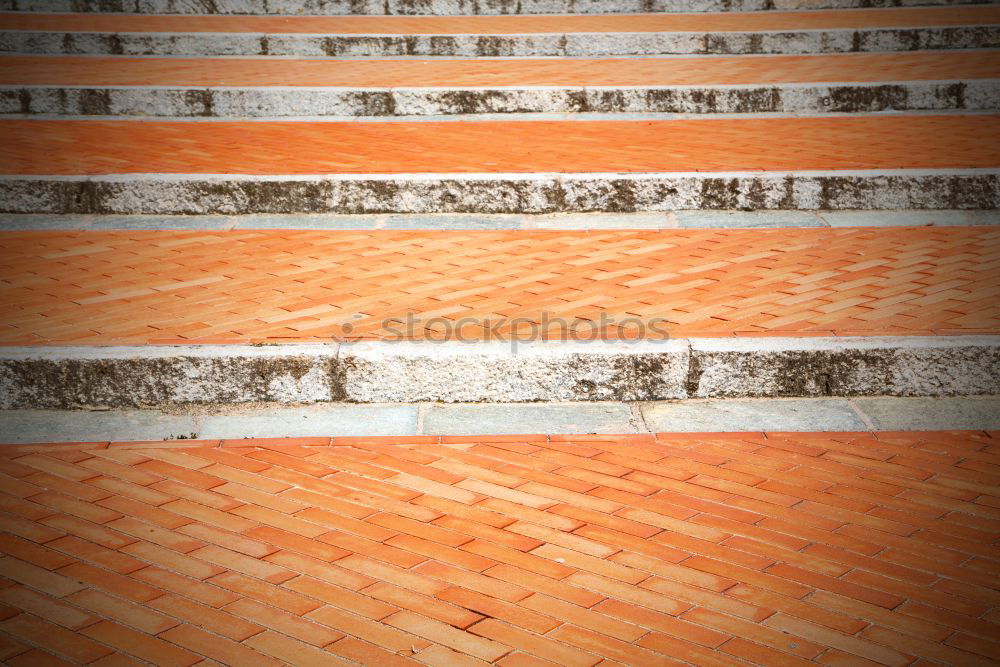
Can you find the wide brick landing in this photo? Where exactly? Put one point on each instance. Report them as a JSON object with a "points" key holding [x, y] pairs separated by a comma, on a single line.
{"points": [[777, 549], [80, 147], [499, 25], [257, 286], [676, 71]]}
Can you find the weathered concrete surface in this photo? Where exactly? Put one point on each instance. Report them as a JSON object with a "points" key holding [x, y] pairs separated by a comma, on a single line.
{"points": [[526, 45], [490, 372], [338, 419], [501, 418], [918, 414], [459, 221], [445, 7], [857, 366], [135, 377], [808, 414], [181, 194], [300, 101], [411, 372], [439, 7]]}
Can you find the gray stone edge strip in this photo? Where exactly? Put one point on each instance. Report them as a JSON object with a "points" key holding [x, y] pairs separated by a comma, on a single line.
{"points": [[184, 194], [457, 221], [517, 45], [196, 425], [296, 101], [448, 7], [491, 372]]}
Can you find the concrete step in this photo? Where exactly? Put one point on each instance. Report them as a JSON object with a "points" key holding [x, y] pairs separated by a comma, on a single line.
{"points": [[234, 168], [815, 31], [448, 7], [167, 376], [271, 88], [180, 425]]}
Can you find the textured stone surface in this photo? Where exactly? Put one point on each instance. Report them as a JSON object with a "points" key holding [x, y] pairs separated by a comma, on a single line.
{"points": [[497, 372], [445, 7], [494, 373], [908, 366], [301, 101], [151, 376], [500, 193]]}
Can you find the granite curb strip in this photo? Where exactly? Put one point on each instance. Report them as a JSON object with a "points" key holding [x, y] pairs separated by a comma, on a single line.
{"points": [[194, 194], [449, 7], [298, 101], [787, 42], [413, 372]]}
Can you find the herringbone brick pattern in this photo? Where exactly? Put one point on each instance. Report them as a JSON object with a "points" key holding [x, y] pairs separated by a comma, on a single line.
{"points": [[499, 25], [249, 286], [887, 141], [776, 549], [714, 70]]}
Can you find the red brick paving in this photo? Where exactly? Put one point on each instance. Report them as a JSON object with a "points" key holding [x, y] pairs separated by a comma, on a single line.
{"points": [[250, 286], [683, 71], [270, 147], [708, 549], [498, 25]]}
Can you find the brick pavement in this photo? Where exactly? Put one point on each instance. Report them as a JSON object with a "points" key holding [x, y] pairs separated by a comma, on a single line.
{"points": [[911, 17], [707, 549], [56, 147], [254, 286], [488, 72]]}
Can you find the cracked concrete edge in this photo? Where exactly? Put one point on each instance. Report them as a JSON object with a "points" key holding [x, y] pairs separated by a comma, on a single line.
{"points": [[788, 42], [298, 101], [190, 194], [416, 372], [556, 221], [447, 7]]}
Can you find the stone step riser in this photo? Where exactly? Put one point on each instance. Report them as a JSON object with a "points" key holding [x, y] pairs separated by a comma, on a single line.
{"points": [[500, 193], [530, 45], [973, 95], [155, 376], [448, 7]]}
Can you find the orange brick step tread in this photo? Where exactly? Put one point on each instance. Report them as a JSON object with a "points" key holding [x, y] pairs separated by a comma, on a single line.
{"points": [[388, 73], [57, 147], [249, 286]]}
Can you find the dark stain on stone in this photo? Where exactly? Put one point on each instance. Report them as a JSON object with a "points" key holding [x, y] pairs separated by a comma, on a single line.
{"points": [[24, 100], [95, 102], [639, 377], [199, 102], [115, 45], [852, 99], [265, 46], [443, 45]]}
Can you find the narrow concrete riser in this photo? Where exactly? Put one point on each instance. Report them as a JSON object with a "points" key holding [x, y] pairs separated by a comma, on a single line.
{"points": [[569, 44], [417, 372], [500, 193], [979, 95], [446, 7]]}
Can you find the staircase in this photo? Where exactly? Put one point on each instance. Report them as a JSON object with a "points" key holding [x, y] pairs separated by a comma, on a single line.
{"points": [[254, 201]]}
